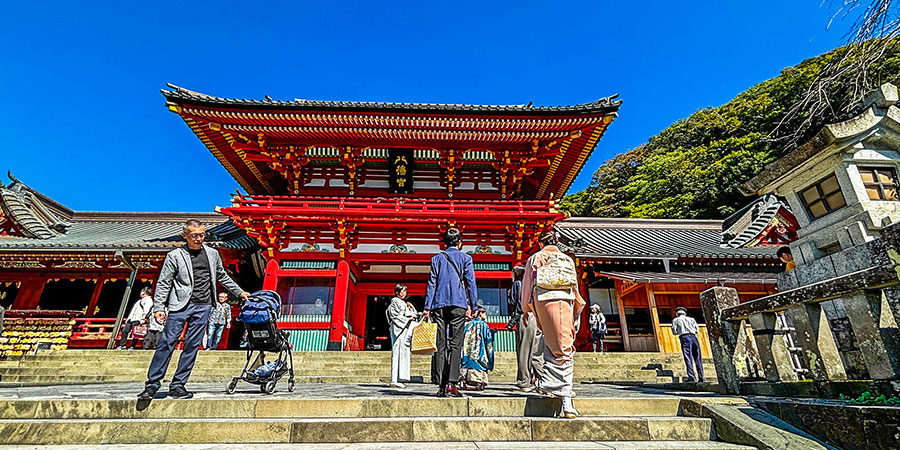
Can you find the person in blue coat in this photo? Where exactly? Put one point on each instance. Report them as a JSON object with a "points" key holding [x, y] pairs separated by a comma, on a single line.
{"points": [[449, 302]]}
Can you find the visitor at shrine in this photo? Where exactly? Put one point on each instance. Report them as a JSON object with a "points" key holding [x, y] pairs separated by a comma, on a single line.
{"points": [[550, 292], [478, 351], [2, 313], [138, 316], [449, 302], [401, 316], [597, 321], [219, 320], [154, 331], [686, 329], [187, 289], [785, 255], [529, 344]]}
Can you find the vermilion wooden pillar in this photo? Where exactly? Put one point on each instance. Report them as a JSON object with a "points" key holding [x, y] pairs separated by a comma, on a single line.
{"points": [[98, 286], [270, 280], [341, 289], [29, 293]]}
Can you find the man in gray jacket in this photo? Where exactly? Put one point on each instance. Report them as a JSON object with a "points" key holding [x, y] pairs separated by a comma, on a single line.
{"points": [[187, 289]]}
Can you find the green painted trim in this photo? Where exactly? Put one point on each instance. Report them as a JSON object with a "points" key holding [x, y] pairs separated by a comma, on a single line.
{"points": [[307, 264]]}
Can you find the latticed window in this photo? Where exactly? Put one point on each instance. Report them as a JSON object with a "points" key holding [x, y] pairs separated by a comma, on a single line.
{"points": [[823, 197], [880, 182]]}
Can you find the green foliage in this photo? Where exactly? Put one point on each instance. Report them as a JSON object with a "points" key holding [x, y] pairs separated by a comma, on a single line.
{"points": [[868, 398], [693, 168]]}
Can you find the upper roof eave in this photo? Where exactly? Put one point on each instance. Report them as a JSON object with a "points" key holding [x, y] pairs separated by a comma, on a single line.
{"points": [[606, 105]]}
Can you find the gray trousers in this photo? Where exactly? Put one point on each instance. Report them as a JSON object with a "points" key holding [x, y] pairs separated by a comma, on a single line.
{"points": [[196, 317], [529, 350]]}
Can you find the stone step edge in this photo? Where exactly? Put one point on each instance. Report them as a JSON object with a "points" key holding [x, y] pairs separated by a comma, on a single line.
{"points": [[351, 430], [364, 407]]}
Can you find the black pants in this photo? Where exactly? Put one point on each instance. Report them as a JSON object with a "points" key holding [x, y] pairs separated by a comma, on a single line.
{"points": [[126, 330], [151, 339], [450, 322]]}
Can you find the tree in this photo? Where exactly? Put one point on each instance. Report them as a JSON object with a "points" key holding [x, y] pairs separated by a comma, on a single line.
{"points": [[693, 168]]}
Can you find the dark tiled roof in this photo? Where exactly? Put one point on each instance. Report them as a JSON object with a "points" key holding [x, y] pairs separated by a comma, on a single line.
{"points": [[179, 94], [129, 235], [745, 227], [700, 277], [649, 238]]}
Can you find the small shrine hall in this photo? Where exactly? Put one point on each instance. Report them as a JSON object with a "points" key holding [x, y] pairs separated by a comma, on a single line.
{"points": [[340, 201]]}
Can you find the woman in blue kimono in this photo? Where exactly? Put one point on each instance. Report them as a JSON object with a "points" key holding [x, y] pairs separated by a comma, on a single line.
{"points": [[478, 351]]}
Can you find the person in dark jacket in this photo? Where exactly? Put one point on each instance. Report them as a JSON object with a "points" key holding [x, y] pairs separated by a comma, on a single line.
{"points": [[449, 301]]}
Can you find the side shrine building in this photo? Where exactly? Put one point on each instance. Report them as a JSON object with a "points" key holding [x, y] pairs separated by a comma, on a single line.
{"points": [[345, 199]]}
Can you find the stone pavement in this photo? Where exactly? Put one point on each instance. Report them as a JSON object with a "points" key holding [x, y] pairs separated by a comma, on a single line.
{"points": [[310, 391]]}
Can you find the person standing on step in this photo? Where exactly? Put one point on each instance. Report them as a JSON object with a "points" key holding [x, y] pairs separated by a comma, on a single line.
{"points": [[138, 315], [529, 343], [154, 331], [187, 289], [219, 320], [550, 292], [401, 316], [597, 322], [686, 329], [449, 301]]}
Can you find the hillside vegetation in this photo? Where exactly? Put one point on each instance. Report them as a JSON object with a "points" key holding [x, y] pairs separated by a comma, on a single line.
{"points": [[693, 168]]}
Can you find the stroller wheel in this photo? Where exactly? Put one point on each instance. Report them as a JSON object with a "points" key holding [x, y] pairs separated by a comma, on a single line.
{"points": [[231, 386], [269, 387], [291, 386]]}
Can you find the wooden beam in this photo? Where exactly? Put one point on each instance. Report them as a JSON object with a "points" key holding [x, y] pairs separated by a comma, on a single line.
{"points": [[654, 316], [623, 322]]}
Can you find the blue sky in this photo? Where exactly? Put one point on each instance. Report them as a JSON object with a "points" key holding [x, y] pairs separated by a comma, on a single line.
{"points": [[82, 119]]}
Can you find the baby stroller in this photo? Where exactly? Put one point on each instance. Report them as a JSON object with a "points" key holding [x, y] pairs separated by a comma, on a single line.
{"points": [[260, 317]]}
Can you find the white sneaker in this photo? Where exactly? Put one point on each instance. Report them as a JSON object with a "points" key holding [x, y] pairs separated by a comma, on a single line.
{"points": [[398, 385], [568, 409]]}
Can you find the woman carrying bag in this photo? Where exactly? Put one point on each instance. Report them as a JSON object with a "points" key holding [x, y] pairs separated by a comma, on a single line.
{"points": [[550, 290], [401, 316]]}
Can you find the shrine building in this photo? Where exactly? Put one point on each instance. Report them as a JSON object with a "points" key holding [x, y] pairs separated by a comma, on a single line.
{"points": [[343, 200]]}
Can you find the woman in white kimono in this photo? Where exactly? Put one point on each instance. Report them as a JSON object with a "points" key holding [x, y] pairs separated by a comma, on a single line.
{"points": [[401, 316]]}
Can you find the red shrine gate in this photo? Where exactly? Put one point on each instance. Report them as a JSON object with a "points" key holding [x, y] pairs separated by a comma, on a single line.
{"points": [[348, 199]]}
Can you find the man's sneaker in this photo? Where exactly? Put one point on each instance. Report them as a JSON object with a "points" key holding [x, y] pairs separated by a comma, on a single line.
{"points": [[398, 385], [568, 409], [148, 393], [179, 392], [121, 347]]}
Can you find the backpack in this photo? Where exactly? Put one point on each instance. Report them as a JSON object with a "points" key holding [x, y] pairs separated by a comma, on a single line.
{"points": [[556, 278]]}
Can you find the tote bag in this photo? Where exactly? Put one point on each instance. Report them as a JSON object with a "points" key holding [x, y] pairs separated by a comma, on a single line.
{"points": [[424, 338]]}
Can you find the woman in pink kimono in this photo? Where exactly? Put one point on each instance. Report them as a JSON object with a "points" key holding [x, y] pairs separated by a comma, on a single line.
{"points": [[550, 290]]}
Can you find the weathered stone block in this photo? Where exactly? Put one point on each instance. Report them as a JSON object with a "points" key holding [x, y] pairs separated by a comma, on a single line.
{"points": [[723, 335], [819, 270], [878, 341], [773, 352], [591, 429], [472, 429], [679, 429], [813, 333], [786, 281], [352, 430], [228, 431]]}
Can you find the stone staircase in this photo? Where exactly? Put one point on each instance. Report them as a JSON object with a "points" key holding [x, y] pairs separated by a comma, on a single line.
{"points": [[101, 366], [507, 422]]}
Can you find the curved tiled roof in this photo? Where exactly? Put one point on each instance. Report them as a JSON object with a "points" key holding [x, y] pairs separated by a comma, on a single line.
{"points": [[606, 104], [130, 235], [649, 238]]}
